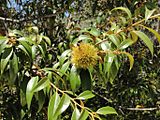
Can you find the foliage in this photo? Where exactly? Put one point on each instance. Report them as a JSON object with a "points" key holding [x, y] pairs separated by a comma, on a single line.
{"points": [[58, 77]]}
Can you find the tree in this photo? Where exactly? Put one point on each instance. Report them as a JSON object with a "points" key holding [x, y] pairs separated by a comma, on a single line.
{"points": [[69, 53]]}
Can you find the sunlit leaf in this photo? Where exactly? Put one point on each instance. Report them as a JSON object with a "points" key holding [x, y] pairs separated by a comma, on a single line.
{"points": [[106, 110], [108, 61], [84, 115], [85, 95], [154, 32], [124, 44], [29, 91], [131, 59], [125, 10], [27, 47], [44, 82], [5, 58], [74, 78], [47, 40], [42, 51], [63, 105], [65, 67], [34, 51], [134, 37], [53, 105], [84, 37], [75, 114], [145, 39], [148, 13], [94, 32], [114, 39], [63, 56]]}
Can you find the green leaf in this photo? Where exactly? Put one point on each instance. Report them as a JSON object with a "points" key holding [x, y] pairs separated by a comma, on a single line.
{"points": [[108, 61], [18, 32], [63, 56], [114, 39], [125, 10], [65, 67], [63, 105], [44, 82], [85, 95], [134, 37], [113, 72], [145, 39], [42, 51], [148, 13], [94, 32], [27, 47], [106, 110], [75, 114], [53, 105], [131, 59], [47, 40], [154, 32], [5, 59], [13, 70], [24, 50], [3, 45], [29, 91], [124, 44], [84, 115], [34, 51], [41, 100], [84, 37], [74, 78]]}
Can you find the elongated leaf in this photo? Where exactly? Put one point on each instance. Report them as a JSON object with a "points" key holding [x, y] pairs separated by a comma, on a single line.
{"points": [[131, 60], [5, 59], [84, 37], [34, 51], [85, 95], [74, 78], [44, 82], [63, 105], [29, 91], [13, 70], [108, 62], [134, 37], [106, 110], [145, 39], [42, 51], [154, 32], [47, 40], [75, 114], [148, 13], [27, 47], [41, 100], [94, 32], [65, 67], [24, 50], [3, 41], [84, 115], [53, 105], [63, 56], [114, 39], [125, 10], [126, 43]]}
